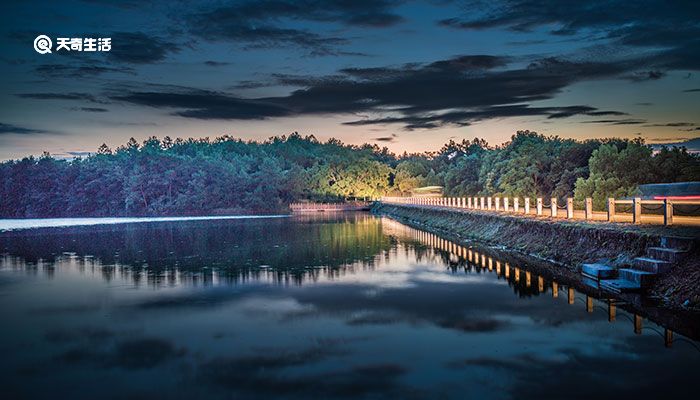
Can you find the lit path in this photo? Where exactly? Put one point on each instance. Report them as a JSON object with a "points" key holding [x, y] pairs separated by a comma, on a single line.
{"points": [[578, 215]]}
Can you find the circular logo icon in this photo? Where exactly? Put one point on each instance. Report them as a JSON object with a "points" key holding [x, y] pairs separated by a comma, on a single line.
{"points": [[42, 44]]}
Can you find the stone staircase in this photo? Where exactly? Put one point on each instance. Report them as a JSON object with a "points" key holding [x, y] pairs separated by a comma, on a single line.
{"points": [[643, 271]]}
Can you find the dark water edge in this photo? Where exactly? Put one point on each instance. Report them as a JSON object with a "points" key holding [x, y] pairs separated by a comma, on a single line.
{"points": [[334, 305]]}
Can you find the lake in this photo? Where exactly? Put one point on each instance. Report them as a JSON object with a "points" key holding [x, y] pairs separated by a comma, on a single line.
{"points": [[344, 305]]}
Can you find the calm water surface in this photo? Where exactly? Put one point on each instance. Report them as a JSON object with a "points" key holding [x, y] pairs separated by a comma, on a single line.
{"points": [[348, 305]]}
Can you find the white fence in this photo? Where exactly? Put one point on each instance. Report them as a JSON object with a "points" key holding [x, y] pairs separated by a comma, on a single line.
{"points": [[658, 211]]}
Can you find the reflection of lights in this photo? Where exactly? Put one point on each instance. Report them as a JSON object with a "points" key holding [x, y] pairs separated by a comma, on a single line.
{"points": [[589, 304], [611, 311], [637, 324]]}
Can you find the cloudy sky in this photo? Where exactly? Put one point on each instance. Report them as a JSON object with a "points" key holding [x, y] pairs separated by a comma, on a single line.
{"points": [[406, 74]]}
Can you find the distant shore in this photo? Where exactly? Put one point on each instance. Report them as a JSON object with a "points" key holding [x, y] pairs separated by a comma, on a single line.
{"points": [[34, 223]]}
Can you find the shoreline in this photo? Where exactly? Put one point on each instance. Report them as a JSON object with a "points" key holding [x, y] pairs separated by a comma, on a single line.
{"points": [[556, 249], [18, 224]]}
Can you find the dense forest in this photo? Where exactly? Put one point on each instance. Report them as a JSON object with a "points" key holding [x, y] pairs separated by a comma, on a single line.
{"points": [[228, 175]]}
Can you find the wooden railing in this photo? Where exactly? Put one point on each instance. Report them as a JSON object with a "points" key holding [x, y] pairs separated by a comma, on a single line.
{"points": [[657, 211]]}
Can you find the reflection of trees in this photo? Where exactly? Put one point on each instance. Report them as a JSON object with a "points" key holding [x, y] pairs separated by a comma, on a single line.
{"points": [[430, 248], [202, 252]]}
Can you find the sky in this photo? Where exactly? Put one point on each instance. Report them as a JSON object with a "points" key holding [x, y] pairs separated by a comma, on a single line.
{"points": [[409, 75]]}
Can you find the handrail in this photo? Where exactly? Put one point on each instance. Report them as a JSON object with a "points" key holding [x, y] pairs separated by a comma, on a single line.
{"points": [[657, 211]]}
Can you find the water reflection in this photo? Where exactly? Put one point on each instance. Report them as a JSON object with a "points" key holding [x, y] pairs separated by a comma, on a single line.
{"points": [[341, 305], [204, 253]]}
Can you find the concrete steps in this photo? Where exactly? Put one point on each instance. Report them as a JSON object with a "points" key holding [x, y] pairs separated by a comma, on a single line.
{"points": [[642, 278], [619, 285], [677, 242], [643, 271], [651, 265], [667, 254], [598, 271]]}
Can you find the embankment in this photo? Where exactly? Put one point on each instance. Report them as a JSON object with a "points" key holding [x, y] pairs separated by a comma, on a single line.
{"points": [[566, 243]]}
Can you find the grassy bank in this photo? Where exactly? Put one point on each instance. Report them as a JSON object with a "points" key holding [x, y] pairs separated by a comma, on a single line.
{"points": [[567, 243]]}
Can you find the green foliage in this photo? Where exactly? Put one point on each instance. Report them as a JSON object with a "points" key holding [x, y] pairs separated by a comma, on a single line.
{"points": [[194, 176], [617, 173], [228, 175]]}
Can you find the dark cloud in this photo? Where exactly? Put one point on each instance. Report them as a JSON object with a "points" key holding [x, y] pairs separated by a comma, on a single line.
{"points": [[78, 71], [599, 113], [211, 63], [643, 76], [385, 139], [675, 124], [456, 91], [626, 121], [672, 30], [258, 23], [60, 96], [202, 104], [140, 48], [9, 129], [90, 109], [691, 90]]}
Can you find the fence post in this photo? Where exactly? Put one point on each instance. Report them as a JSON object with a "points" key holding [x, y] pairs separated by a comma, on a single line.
{"points": [[637, 211], [569, 208], [668, 212], [539, 206], [476, 200], [505, 204], [469, 202], [527, 205], [482, 203], [488, 202], [516, 206], [589, 208], [554, 207], [611, 209], [498, 203]]}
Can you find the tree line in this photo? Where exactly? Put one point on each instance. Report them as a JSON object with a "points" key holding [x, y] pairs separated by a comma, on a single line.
{"points": [[228, 175]]}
